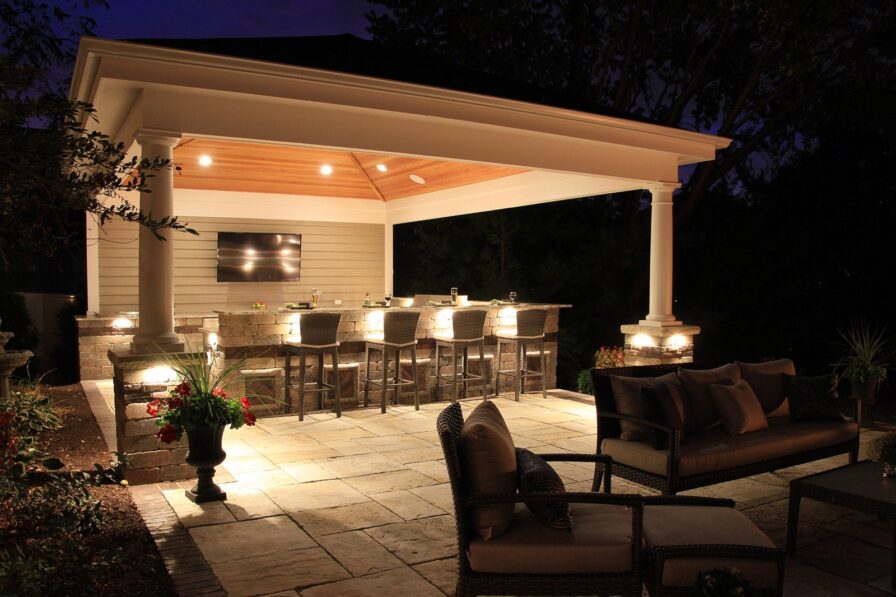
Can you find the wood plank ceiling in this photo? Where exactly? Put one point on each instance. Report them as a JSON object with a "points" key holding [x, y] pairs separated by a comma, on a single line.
{"points": [[252, 167]]}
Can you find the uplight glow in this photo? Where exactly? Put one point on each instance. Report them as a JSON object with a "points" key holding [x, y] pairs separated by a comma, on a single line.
{"points": [[382, 167], [326, 169], [161, 374], [676, 342], [205, 160], [641, 340]]}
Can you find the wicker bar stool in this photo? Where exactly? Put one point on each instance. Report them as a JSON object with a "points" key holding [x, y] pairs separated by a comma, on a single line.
{"points": [[467, 331], [318, 337], [399, 333], [529, 331]]}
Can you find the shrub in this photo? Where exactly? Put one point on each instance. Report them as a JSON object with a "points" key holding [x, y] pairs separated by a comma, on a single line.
{"points": [[583, 382]]}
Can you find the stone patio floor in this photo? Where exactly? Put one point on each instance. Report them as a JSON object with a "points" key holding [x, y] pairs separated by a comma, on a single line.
{"points": [[361, 506]]}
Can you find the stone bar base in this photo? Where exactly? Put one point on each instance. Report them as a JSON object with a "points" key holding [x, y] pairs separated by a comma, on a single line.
{"points": [[657, 345], [137, 379]]}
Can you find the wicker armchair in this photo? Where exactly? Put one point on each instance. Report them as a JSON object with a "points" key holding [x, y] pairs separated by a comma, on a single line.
{"points": [[528, 580]]}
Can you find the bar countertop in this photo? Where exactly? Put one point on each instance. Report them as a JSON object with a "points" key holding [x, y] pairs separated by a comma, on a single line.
{"points": [[342, 308]]}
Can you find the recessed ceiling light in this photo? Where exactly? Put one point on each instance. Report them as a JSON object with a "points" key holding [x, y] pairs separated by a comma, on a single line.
{"points": [[205, 160], [417, 179], [326, 169], [382, 168]]}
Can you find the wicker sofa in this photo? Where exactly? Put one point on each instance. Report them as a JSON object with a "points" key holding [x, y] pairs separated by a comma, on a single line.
{"points": [[712, 455]]}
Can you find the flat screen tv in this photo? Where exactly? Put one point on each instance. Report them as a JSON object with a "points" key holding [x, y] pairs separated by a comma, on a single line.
{"points": [[259, 257]]}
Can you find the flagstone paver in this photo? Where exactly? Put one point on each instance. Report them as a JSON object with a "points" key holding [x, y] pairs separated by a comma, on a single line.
{"points": [[359, 505]]}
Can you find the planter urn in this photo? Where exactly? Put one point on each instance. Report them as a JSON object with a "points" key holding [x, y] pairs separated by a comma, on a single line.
{"points": [[864, 391], [205, 453]]}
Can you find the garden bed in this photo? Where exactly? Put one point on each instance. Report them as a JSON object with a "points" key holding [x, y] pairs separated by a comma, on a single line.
{"points": [[122, 556]]}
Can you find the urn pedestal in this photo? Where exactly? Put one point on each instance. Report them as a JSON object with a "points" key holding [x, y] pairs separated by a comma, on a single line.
{"points": [[205, 453]]}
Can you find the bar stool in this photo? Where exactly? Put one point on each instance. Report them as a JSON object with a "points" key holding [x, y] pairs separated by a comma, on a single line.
{"points": [[529, 330], [399, 333], [318, 337], [467, 330]]}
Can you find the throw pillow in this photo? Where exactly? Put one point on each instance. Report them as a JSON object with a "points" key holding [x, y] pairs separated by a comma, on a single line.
{"points": [[696, 383], [812, 398], [767, 380], [627, 394], [489, 466], [674, 401], [534, 475], [654, 412], [738, 407]]}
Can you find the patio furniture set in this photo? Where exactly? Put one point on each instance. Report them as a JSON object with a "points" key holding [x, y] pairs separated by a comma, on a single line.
{"points": [[520, 531], [318, 332]]}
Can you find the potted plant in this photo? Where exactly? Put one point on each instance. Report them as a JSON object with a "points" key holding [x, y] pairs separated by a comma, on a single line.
{"points": [[200, 407], [608, 357], [864, 360], [884, 451]]}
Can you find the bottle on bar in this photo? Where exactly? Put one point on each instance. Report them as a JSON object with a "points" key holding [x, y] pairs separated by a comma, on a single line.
{"points": [[454, 296]]}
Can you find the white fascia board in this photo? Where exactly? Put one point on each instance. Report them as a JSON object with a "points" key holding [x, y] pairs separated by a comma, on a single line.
{"points": [[518, 190], [154, 65], [247, 206]]}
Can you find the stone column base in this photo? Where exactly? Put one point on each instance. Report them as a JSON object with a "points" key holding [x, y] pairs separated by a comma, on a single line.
{"points": [[659, 344]]}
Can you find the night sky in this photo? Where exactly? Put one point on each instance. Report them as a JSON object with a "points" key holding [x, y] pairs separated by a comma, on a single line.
{"points": [[126, 19]]}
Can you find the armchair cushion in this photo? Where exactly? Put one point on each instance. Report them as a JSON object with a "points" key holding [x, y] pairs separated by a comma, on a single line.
{"points": [[534, 475], [697, 381], [738, 407], [489, 465], [600, 542], [767, 380]]}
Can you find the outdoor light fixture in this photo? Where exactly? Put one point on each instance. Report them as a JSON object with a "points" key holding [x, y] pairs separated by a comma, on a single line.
{"points": [[295, 332], [382, 168], [676, 342], [375, 323], [417, 179], [157, 375], [205, 160], [443, 321], [507, 320], [122, 323], [213, 341], [641, 340], [326, 169]]}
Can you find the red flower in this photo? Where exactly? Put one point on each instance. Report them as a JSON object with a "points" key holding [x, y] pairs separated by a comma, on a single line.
{"points": [[152, 408], [245, 402], [167, 434], [248, 418], [175, 402], [218, 392], [6, 418], [182, 389]]}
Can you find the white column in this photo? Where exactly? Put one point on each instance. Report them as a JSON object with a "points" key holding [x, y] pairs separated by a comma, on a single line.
{"points": [[156, 257], [661, 251], [388, 256]]}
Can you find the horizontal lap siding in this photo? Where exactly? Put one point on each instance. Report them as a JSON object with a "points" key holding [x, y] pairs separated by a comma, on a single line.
{"points": [[344, 260]]}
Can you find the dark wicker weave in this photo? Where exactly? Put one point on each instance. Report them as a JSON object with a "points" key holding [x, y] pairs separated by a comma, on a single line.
{"points": [[469, 582], [399, 333], [529, 332], [468, 331], [671, 483], [318, 331], [654, 559]]}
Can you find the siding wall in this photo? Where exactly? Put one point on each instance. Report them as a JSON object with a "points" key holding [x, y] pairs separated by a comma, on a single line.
{"points": [[343, 260]]}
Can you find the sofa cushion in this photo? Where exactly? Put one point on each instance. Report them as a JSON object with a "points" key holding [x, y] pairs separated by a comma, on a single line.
{"points": [[696, 383], [627, 395], [674, 525], [767, 380], [489, 466], [715, 450], [738, 407], [600, 542], [534, 475], [812, 398], [673, 401]]}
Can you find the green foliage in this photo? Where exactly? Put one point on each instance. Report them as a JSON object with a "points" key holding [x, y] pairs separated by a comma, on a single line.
{"points": [[199, 400], [883, 448], [584, 383], [32, 411], [866, 353], [722, 582], [51, 163]]}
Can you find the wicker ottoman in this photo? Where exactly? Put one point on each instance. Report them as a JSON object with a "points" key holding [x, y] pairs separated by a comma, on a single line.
{"points": [[681, 540]]}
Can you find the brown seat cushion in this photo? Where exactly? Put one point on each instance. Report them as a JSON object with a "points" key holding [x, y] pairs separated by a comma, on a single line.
{"points": [[715, 450], [489, 466], [767, 380], [675, 525], [600, 542], [696, 383], [627, 395], [738, 407]]}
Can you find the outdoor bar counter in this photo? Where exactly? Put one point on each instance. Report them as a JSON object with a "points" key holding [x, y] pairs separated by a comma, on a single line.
{"points": [[256, 338]]}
